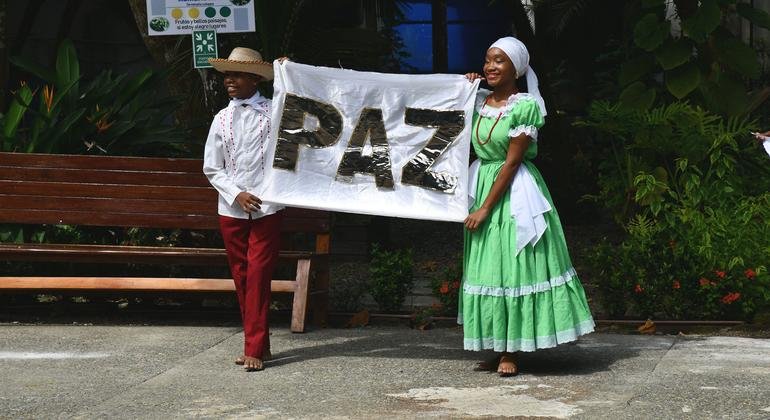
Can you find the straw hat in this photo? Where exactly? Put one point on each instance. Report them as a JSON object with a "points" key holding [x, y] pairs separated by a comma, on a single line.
{"points": [[244, 60]]}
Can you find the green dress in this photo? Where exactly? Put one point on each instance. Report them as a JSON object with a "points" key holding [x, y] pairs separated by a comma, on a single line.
{"points": [[516, 300]]}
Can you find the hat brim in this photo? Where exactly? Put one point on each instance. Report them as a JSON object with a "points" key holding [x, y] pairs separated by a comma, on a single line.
{"points": [[260, 68]]}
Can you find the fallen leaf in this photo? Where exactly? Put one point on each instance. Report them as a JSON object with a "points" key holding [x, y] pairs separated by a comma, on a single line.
{"points": [[360, 319], [647, 328]]}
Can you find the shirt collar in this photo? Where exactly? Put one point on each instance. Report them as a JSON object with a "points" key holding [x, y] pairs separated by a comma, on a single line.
{"points": [[258, 102]]}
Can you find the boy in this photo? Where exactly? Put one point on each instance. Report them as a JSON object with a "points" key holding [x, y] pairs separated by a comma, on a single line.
{"points": [[234, 162]]}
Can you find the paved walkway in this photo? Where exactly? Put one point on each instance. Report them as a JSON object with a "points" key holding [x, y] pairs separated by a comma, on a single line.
{"points": [[382, 372]]}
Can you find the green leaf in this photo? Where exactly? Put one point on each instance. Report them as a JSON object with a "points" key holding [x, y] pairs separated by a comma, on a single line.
{"points": [[674, 53], [67, 66], [650, 32], [635, 69], [703, 22], [727, 96], [19, 105], [29, 66], [756, 16], [736, 55], [683, 80], [637, 96]]}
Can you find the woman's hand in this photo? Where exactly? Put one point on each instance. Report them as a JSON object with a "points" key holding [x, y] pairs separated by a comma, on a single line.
{"points": [[248, 202], [473, 76], [475, 219]]}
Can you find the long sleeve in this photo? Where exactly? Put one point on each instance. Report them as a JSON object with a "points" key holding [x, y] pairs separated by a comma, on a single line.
{"points": [[214, 167]]}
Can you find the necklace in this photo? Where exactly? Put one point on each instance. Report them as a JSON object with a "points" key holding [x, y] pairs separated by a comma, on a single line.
{"points": [[489, 136]]}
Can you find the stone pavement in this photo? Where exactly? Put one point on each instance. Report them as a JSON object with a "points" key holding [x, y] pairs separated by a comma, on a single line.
{"points": [[81, 371]]}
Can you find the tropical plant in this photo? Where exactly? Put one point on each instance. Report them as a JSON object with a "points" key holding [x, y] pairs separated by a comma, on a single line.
{"points": [[110, 114], [692, 195], [391, 277], [703, 61], [446, 286]]}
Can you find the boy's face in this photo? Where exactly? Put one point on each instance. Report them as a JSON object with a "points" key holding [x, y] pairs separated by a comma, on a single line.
{"points": [[241, 85]]}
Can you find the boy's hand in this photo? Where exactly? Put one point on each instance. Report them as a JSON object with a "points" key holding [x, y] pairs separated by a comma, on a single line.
{"points": [[248, 202], [282, 59]]}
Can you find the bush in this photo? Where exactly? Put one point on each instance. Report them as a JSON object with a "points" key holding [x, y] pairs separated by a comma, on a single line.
{"points": [[446, 287], [391, 277], [695, 205]]}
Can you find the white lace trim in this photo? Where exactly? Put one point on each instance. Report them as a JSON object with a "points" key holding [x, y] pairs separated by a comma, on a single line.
{"points": [[529, 130], [530, 344], [492, 112], [559, 280]]}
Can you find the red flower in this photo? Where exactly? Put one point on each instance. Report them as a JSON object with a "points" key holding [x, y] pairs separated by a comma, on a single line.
{"points": [[456, 285], [730, 298], [676, 284], [638, 289], [750, 274], [720, 274], [444, 288], [704, 282]]}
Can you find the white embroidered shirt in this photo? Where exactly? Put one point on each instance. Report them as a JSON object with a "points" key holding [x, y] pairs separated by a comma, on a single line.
{"points": [[234, 156]]}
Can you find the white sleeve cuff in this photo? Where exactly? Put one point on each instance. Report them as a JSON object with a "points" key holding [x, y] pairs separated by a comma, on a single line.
{"points": [[529, 130]]}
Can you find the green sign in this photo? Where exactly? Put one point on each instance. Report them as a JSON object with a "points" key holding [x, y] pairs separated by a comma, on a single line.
{"points": [[204, 47]]}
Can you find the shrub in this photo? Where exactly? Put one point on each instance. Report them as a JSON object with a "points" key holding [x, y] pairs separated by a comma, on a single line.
{"points": [[446, 287], [695, 205], [391, 277]]}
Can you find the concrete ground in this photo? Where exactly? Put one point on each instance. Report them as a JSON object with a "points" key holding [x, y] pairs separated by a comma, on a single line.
{"points": [[81, 371]]}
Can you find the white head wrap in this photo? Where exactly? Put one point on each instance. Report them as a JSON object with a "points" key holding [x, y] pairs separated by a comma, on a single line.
{"points": [[517, 52]]}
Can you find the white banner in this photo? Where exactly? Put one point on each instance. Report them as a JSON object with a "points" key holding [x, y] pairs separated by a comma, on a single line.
{"points": [[370, 143]]}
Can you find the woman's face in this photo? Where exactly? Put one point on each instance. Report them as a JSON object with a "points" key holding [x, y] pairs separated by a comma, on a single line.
{"points": [[498, 68], [241, 85]]}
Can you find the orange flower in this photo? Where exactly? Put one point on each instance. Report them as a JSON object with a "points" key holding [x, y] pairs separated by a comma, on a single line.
{"points": [[730, 298], [676, 284], [48, 97], [750, 274], [720, 274], [638, 289], [444, 288], [704, 282]]}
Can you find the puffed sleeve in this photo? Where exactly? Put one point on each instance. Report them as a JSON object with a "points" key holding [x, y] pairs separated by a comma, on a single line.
{"points": [[526, 119], [214, 166]]}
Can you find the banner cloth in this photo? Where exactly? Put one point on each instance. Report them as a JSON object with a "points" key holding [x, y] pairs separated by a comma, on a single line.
{"points": [[370, 143]]}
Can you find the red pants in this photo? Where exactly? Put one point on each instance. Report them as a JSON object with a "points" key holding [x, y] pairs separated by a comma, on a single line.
{"points": [[252, 251]]}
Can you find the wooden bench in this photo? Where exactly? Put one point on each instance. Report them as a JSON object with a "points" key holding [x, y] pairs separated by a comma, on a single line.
{"points": [[148, 193]]}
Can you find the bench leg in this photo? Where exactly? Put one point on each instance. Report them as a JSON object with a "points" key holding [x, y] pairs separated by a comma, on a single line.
{"points": [[299, 309]]}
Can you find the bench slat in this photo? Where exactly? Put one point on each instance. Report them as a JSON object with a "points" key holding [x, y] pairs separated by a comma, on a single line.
{"points": [[182, 179], [58, 189], [146, 220], [112, 205], [100, 162], [123, 254], [139, 284]]}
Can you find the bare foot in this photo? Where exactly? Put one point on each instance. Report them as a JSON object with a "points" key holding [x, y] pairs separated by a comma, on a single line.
{"points": [[487, 365], [252, 364], [507, 366], [265, 357]]}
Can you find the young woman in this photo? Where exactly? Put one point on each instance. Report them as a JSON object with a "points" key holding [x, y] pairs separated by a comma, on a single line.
{"points": [[520, 290]]}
